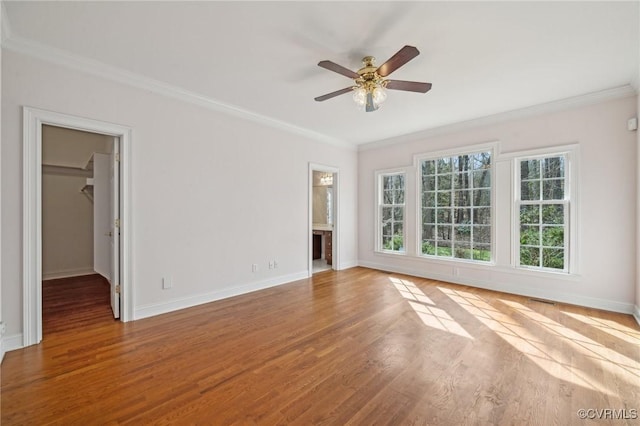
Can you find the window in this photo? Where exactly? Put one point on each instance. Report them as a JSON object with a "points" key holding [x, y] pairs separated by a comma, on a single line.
{"points": [[456, 203], [543, 212], [391, 211]]}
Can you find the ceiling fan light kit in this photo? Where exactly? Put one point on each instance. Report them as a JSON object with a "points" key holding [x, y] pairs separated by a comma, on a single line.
{"points": [[369, 91]]}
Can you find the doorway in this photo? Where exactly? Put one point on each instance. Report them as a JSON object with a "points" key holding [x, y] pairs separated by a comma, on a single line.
{"points": [[120, 281], [76, 210], [323, 218]]}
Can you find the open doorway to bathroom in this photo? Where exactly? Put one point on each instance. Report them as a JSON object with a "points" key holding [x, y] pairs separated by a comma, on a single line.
{"points": [[323, 190]]}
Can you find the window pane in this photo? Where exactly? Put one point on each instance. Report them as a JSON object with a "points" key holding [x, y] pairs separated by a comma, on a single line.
{"points": [[392, 212], [429, 232], [386, 228], [444, 182], [529, 169], [387, 196], [553, 167], [482, 252], [444, 215], [428, 183], [553, 214], [386, 213], [543, 224], [481, 160], [482, 216], [482, 234], [443, 248], [398, 213], [553, 258], [387, 182], [443, 233], [482, 179], [553, 189], [553, 236], [444, 199], [530, 214], [530, 235], [462, 234], [443, 165], [386, 242], [429, 167], [428, 215], [530, 256], [461, 215], [462, 181], [397, 228], [462, 251], [428, 199], [530, 190], [482, 197], [461, 163], [429, 247], [462, 198]]}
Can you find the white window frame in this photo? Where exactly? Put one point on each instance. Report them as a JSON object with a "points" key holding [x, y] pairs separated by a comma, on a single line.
{"points": [[570, 201], [471, 149], [380, 175]]}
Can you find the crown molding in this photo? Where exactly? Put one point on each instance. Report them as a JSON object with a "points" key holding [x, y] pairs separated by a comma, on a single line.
{"points": [[60, 57], [546, 108]]}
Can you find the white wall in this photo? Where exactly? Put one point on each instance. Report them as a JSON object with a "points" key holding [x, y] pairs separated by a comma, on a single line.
{"points": [[212, 193], [67, 227], [606, 207]]}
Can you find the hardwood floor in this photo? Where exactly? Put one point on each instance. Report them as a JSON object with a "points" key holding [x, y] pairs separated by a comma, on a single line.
{"points": [[358, 347]]}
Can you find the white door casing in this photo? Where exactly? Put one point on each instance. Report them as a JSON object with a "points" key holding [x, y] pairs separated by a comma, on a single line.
{"points": [[33, 120], [114, 225]]}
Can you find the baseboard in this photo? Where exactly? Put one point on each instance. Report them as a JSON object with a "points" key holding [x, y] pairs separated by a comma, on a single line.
{"points": [[636, 313], [67, 273], [572, 299], [146, 311], [347, 265], [10, 343]]}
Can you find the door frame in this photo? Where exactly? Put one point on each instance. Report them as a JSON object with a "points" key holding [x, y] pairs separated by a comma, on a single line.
{"points": [[335, 234], [33, 120]]}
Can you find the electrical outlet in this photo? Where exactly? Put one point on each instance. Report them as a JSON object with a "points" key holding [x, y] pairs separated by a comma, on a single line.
{"points": [[167, 283], [3, 328], [254, 267]]}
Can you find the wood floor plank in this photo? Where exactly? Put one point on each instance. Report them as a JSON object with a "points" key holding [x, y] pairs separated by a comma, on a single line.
{"points": [[352, 347]]}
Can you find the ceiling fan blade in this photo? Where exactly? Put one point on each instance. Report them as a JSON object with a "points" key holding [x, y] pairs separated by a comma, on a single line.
{"points": [[332, 66], [409, 86], [401, 57], [333, 94]]}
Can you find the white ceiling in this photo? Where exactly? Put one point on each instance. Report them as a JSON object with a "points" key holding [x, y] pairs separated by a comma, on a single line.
{"points": [[482, 58]]}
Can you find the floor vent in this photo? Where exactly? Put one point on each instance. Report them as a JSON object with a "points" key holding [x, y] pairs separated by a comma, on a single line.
{"points": [[548, 302]]}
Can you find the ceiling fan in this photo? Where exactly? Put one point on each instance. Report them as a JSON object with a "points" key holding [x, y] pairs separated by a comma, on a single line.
{"points": [[370, 82]]}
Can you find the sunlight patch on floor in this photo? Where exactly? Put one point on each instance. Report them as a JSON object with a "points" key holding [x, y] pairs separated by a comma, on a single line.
{"points": [[613, 361], [610, 327], [426, 310], [551, 359]]}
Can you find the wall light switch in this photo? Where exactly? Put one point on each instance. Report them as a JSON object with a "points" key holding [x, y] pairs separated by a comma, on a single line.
{"points": [[166, 283]]}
